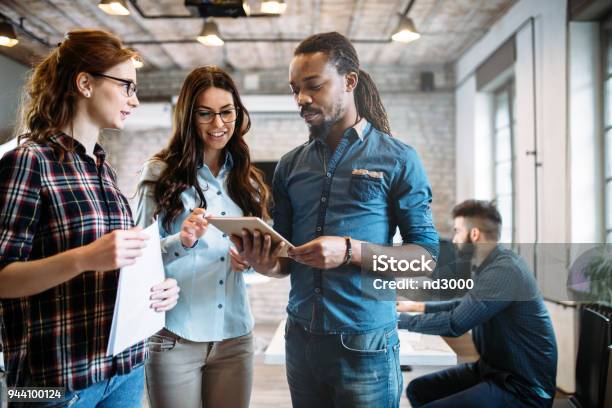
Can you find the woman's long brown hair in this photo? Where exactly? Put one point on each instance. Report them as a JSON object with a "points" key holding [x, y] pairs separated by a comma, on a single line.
{"points": [[184, 153], [49, 100]]}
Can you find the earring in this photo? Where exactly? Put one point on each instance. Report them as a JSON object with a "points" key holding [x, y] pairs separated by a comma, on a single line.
{"points": [[87, 94]]}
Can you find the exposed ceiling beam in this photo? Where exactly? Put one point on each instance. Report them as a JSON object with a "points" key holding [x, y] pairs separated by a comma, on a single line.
{"points": [[143, 14], [19, 26], [316, 16], [248, 40], [355, 18], [408, 7]]}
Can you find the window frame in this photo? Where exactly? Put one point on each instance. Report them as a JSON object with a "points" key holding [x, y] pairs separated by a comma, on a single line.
{"points": [[508, 88], [606, 95]]}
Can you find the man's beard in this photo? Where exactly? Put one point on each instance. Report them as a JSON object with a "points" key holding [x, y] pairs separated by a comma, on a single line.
{"points": [[322, 131], [466, 250]]}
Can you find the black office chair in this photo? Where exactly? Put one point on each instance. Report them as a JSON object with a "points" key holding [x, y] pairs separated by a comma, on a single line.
{"points": [[608, 389], [593, 362]]}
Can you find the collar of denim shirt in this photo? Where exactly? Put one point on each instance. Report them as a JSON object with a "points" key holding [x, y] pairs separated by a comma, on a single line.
{"points": [[360, 129]]}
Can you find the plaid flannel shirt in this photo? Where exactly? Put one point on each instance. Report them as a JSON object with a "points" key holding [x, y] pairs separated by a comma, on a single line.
{"points": [[47, 206]]}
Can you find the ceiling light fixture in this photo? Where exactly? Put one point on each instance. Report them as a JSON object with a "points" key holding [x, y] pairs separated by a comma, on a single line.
{"points": [[8, 37], [114, 7], [209, 35], [247, 9], [138, 62], [273, 6], [406, 31]]}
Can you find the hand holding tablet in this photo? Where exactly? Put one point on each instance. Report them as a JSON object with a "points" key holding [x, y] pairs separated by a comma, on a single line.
{"points": [[235, 226]]}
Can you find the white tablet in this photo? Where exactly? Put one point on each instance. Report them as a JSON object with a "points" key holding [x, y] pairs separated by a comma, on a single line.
{"points": [[234, 225]]}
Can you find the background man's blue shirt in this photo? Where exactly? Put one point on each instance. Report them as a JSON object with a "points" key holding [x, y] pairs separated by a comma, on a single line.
{"points": [[319, 192], [510, 325]]}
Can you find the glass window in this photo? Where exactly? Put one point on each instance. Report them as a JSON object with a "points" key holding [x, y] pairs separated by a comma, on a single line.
{"points": [[503, 145], [608, 150], [608, 39], [502, 111], [608, 104], [503, 152], [607, 87], [503, 179], [609, 205]]}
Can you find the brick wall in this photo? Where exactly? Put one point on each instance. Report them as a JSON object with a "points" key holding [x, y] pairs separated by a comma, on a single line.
{"points": [[127, 152], [424, 120], [269, 300]]}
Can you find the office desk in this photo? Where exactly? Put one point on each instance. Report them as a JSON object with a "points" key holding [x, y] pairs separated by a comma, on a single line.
{"points": [[415, 349]]}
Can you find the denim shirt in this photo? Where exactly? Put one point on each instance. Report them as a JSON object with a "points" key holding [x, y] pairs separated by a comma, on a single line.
{"points": [[318, 192], [213, 303]]}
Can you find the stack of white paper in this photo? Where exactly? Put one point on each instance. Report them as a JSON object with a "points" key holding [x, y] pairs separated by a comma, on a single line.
{"points": [[133, 319], [406, 336]]}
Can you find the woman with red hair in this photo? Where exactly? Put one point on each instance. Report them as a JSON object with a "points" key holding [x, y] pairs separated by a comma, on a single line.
{"points": [[66, 229]]}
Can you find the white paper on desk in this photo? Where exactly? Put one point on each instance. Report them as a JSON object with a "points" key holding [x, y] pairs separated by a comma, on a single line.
{"points": [[407, 336], [133, 319]]}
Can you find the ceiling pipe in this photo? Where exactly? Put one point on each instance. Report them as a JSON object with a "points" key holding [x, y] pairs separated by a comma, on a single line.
{"points": [[21, 28], [143, 14]]}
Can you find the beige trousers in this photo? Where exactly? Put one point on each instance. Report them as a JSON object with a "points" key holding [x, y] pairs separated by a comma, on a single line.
{"points": [[187, 374]]}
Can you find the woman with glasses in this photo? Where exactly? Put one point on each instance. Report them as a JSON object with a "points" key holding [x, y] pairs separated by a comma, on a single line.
{"points": [[66, 230], [204, 356]]}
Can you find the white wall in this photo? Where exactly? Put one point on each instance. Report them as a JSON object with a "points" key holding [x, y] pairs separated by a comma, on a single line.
{"points": [[543, 194], [464, 139], [8, 146], [543, 112], [585, 92], [524, 164], [11, 82]]}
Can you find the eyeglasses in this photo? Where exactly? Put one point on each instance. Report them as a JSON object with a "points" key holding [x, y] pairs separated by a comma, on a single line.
{"points": [[206, 116], [128, 85]]}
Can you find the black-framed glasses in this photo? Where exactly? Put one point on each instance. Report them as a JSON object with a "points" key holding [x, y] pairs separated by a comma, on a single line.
{"points": [[128, 85], [205, 116]]}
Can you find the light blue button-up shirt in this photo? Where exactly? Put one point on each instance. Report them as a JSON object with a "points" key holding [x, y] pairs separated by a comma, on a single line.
{"points": [[213, 303]]}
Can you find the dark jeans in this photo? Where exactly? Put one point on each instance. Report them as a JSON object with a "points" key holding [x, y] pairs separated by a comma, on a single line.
{"points": [[462, 386], [120, 391], [343, 370]]}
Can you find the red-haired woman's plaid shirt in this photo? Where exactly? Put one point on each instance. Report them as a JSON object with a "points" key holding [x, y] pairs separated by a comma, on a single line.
{"points": [[47, 206]]}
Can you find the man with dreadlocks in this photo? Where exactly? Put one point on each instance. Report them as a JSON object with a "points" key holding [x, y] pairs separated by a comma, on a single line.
{"points": [[350, 184]]}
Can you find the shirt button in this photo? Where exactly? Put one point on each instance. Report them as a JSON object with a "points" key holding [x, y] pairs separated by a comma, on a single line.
{"points": [[317, 290], [176, 254], [222, 212], [222, 259], [221, 282], [323, 199], [328, 174], [218, 193], [219, 306], [224, 235], [319, 229]]}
